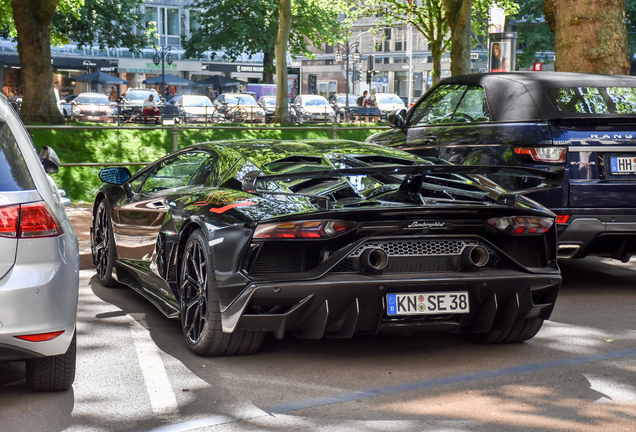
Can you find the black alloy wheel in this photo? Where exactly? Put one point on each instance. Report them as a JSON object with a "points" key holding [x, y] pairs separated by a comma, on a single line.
{"points": [[104, 253], [200, 311]]}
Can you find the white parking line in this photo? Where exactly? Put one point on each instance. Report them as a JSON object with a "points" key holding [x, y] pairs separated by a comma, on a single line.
{"points": [[162, 399]]}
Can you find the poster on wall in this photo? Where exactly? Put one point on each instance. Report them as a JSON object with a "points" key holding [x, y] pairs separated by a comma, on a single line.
{"points": [[292, 85]]}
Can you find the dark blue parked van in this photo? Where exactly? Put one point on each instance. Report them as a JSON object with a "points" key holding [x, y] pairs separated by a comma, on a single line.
{"points": [[583, 124]]}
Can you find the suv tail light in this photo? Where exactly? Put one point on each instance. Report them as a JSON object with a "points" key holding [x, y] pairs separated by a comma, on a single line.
{"points": [[543, 154], [317, 229], [522, 225], [28, 221]]}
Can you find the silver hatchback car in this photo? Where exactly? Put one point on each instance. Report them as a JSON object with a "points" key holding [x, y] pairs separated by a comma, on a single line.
{"points": [[39, 262]]}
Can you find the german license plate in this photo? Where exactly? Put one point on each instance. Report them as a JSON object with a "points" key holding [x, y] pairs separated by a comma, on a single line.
{"points": [[431, 303], [622, 165], [92, 118]]}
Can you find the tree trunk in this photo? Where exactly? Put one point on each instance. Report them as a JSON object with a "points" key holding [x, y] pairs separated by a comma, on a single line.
{"points": [[436, 53], [281, 115], [589, 35], [458, 13], [33, 23], [268, 67]]}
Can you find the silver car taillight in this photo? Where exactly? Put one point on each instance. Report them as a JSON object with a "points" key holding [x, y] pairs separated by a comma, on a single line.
{"points": [[28, 221]]}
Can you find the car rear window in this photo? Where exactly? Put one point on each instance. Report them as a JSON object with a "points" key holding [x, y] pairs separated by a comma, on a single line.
{"points": [[14, 174], [92, 100], [594, 100], [139, 95]]}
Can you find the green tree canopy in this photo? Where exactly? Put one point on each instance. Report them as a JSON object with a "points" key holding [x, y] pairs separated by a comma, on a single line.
{"points": [[36, 24], [251, 27]]}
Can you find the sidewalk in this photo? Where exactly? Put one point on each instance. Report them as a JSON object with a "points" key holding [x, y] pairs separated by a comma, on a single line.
{"points": [[81, 218]]}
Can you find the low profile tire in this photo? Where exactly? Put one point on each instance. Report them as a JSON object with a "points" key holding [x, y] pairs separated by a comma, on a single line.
{"points": [[53, 373], [200, 312], [104, 253], [520, 332]]}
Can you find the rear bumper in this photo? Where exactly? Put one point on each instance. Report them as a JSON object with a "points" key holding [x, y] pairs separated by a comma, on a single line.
{"points": [[600, 232], [343, 305], [39, 295]]}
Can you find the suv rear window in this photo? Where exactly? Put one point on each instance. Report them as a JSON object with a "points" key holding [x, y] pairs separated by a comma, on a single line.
{"points": [[14, 174], [594, 100]]}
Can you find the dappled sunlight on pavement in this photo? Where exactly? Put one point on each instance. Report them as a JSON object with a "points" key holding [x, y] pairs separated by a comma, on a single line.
{"points": [[532, 407]]}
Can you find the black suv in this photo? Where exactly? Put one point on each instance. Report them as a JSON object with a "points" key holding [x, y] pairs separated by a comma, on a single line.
{"points": [[581, 124]]}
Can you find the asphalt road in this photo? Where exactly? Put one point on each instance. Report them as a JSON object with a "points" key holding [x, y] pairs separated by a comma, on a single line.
{"points": [[136, 374]]}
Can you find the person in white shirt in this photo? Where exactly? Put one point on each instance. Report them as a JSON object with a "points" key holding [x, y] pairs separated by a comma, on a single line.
{"points": [[149, 109]]}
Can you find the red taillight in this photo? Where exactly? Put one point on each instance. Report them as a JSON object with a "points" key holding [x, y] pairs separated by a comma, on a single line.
{"points": [[9, 219], [562, 219], [28, 221], [319, 229], [42, 337], [544, 154], [522, 225]]}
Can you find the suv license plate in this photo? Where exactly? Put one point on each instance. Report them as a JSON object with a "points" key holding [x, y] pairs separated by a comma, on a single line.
{"points": [[622, 165], [431, 303]]}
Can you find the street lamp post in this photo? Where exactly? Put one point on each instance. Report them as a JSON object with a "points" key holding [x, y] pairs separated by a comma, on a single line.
{"points": [[163, 56], [347, 49]]}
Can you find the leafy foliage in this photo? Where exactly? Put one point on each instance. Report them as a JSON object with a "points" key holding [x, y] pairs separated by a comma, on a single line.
{"points": [[251, 26], [106, 23], [429, 17], [533, 33]]}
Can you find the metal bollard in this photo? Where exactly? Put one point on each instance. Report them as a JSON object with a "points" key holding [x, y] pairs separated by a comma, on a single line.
{"points": [[334, 131], [175, 137]]}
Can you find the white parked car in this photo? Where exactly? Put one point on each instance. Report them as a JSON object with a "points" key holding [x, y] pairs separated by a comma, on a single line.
{"points": [[195, 108], [388, 102], [313, 108]]}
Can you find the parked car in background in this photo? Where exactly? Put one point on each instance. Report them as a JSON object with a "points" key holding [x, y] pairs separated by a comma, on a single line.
{"points": [[66, 107], [268, 103], [313, 108], [39, 262], [388, 102], [583, 125], [131, 104], [324, 238], [239, 108], [195, 108], [92, 107], [169, 110], [338, 102]]}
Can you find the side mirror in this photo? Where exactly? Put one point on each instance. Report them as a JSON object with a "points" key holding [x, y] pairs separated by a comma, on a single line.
{"points": [[397, 119], [50, 160], [115, 175]]}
